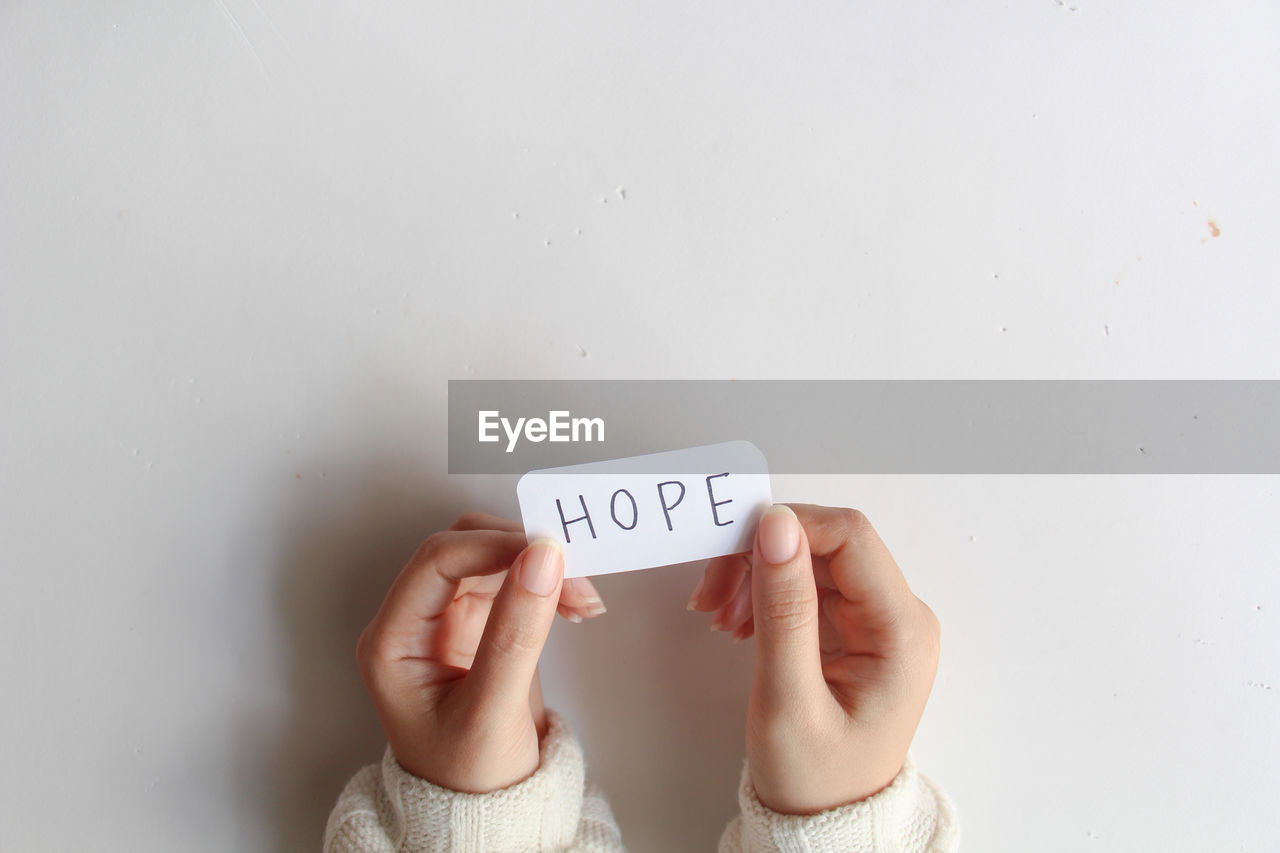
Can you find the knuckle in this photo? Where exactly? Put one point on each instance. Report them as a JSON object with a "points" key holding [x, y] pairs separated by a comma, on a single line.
{"points": [[369, 649], [789, 607], [854, 522], [470, 520], [435, 546], [362, 649], [925, 636], [372, 658], [931, 619], [515, 639]]}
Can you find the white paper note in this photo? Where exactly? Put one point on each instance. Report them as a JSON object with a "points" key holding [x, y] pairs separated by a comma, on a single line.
{"points": [[651, 510]]}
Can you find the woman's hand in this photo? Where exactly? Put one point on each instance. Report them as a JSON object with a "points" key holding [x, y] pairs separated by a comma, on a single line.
{"points": [[451, 656], [845, 655]]}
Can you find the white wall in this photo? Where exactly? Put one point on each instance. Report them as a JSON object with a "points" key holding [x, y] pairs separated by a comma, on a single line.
{"points": [[243, 244]]}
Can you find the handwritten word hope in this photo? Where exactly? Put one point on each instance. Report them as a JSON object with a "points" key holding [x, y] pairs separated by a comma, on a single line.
{"points": [[627, 514], [634, 512]]}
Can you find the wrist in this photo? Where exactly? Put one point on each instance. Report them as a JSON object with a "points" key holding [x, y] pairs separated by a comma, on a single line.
{"points": [[807, 787]]}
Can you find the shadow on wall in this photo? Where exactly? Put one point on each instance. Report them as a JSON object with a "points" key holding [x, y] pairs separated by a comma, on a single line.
{"points": [[338, 557], [659, 703]]}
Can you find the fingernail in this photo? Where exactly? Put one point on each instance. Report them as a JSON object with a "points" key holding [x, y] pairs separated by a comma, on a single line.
{"points": [[585, 589], [541, 567], [693, 599], [779, 534], [573, 617], [590, 595]]}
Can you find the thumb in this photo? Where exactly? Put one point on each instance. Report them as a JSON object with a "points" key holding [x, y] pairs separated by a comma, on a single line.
{"points": [[784, 599], [507, 655]]}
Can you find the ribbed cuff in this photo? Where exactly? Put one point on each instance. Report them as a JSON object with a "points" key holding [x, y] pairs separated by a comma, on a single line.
{"points": [[537, 813], [909, 816]]}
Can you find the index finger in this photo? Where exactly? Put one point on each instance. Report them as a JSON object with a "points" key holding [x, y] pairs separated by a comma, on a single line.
{"points": [[485, 521], [860, 564], [429, 582], [579, 598]]}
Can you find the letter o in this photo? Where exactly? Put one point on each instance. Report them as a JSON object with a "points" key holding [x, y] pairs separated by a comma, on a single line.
{"points": [[613, 509]]}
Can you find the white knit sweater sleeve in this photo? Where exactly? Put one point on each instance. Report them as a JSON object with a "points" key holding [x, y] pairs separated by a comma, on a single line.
{"points": [[386, 809], [912, 815]]}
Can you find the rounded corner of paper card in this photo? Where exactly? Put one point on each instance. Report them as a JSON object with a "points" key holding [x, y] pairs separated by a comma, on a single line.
{"points": [[750, 452], [525, 481]]}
